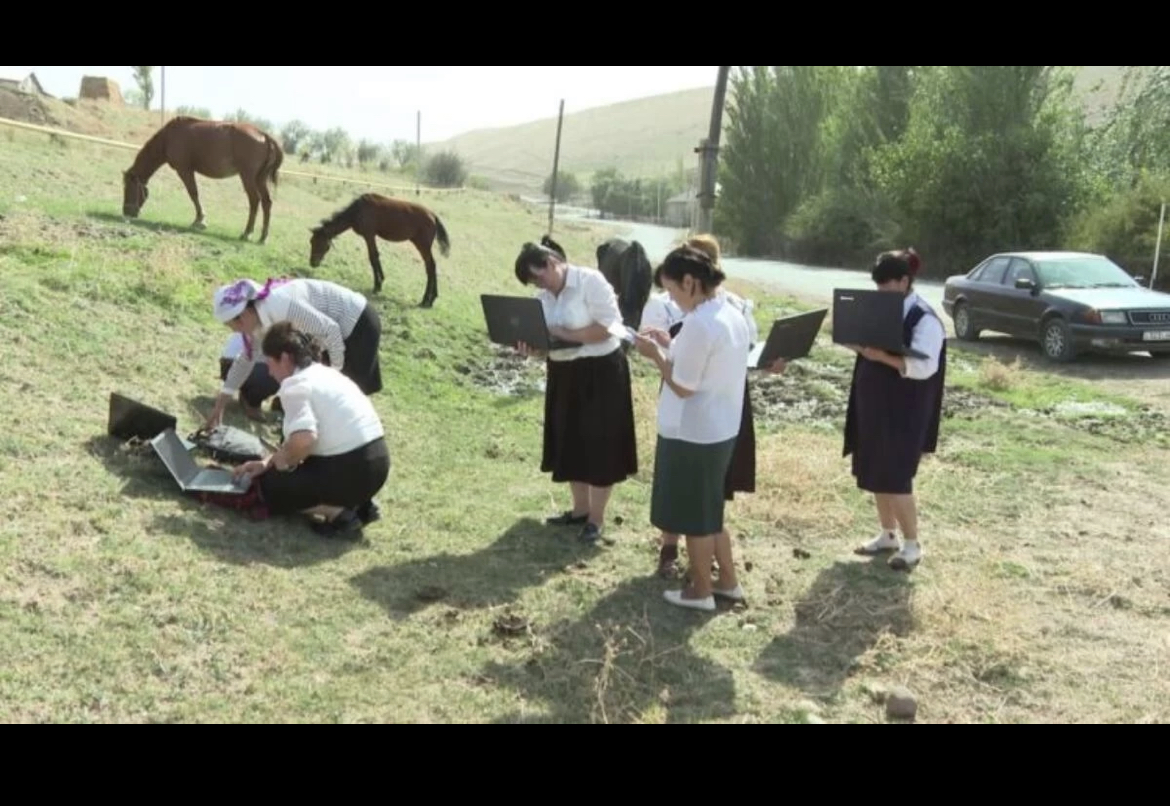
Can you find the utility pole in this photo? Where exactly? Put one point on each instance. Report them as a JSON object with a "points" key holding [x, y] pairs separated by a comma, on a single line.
{"points": [[1158, 246], [418, 164], [162, 106], [709, 148], [552, 196]]}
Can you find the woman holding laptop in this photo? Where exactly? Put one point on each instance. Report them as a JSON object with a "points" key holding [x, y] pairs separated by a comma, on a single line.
{"points": [[895, 405], [589, 438]]}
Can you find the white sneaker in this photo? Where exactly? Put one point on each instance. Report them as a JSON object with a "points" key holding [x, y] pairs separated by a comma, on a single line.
{"points": [[676, 598], [886, 541], [735, 594], [907, 557]]}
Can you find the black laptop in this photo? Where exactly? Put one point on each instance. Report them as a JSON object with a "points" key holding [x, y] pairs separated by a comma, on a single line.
{"points": [[511, 320], [790, 338], [129, 419], [870, 318]]}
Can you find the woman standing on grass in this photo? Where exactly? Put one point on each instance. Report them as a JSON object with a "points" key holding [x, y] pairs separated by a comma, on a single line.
{"points": [[342, 321], [663, 313], [589, 438], [700, 407], [895, 406]]}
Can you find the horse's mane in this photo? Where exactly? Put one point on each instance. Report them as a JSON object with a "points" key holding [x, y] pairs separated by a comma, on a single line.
{"points": [[337, 217]]}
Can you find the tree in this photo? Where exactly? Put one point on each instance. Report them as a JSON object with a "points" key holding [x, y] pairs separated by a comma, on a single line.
{"points": [[294, 135], [145, 82], [445, 169], [568, 186]]}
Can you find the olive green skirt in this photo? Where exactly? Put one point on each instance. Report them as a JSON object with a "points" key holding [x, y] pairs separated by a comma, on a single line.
{"points": [[687, 496]]}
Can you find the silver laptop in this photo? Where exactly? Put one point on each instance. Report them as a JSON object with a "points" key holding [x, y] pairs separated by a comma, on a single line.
{"points": [[189, 475]]}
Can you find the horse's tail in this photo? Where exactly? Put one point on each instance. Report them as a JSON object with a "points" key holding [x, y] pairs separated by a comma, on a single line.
{"points": [[444, 241], [274, 161]]}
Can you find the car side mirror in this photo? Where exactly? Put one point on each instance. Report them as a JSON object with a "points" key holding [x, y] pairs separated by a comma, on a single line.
{"points": [[1025, 284]]}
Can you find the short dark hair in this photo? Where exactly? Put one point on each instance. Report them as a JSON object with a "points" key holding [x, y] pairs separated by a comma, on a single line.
{"points": [[533, 256], [686, 260], [895, 265], [285, 337]]}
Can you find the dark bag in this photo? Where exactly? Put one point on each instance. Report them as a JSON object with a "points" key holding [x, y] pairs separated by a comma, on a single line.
{"points": [[226, 443]]}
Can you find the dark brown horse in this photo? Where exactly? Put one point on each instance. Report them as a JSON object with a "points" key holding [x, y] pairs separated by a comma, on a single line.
{"points": [[215, 149], [375, 216], [625, 265]]}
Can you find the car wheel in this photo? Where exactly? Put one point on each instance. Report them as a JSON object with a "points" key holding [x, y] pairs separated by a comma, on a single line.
{"points": [[1056, 340], [964, 327]]}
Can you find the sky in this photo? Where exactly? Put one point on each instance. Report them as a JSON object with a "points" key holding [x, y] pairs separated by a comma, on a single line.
{"points": [[381, 103]]}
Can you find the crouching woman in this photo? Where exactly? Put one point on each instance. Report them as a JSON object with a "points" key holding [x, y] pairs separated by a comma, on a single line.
{"points": [[334, 459]]}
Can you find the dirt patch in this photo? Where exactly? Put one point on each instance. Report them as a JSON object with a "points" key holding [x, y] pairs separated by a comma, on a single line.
{"points": [[52, 229], [1146, 424], [813, 392], [504, 372]]}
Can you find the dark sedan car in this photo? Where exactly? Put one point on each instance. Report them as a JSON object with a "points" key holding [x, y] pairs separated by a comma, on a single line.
{"points": [[1071, 302]]}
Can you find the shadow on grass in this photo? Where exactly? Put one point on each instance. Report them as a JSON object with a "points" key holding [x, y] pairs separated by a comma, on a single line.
{"points": [[284, 542], [627, 659], [842, 616], [525, 555], [162, 226]]}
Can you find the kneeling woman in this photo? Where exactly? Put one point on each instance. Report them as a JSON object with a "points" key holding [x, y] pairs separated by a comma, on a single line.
{"points": [[334, 459], [344, 324], [700, 406], [895, 405]]}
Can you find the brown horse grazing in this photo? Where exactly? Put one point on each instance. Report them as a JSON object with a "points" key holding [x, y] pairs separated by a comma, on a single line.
{"points": [[373, 216], [215, 149]]}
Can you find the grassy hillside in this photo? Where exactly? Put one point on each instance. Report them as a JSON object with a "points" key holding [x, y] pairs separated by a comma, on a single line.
{"points": [[1045, 578], [645, 137]]}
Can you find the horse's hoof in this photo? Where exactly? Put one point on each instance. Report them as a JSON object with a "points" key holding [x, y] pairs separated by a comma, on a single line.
{"points": [[199, 225]]}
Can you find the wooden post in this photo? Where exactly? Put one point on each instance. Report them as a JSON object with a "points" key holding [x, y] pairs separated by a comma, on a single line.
{"points": [[709, 148], [552, 196], [1158, 245]]}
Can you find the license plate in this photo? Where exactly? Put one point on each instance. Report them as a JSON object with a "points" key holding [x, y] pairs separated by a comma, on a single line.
{"points": [[1156, 335]]}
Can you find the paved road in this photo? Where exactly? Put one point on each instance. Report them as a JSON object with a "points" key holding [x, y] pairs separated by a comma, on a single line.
{"points": [[808, 282]]}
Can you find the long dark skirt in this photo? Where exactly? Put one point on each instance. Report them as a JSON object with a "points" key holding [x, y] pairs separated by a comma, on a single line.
{"points": [[741, 475], [891, 430], [589, 421], [688, 481], [346, 480], [361, 352]]}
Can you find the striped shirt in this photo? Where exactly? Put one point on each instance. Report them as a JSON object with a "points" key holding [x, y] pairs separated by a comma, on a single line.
{"points": [[326, 310]]}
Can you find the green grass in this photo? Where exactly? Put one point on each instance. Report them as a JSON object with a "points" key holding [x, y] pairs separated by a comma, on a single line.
{"points": [[122, 601]]}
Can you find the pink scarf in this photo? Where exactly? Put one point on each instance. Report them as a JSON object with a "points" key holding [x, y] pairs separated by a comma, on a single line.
{"points": [[262, 294]]}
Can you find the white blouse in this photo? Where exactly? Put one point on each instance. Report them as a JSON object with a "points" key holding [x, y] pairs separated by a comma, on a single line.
{"points": [[586, 299], [326, 310], [710, 358], [928, 338], [322, 400]]}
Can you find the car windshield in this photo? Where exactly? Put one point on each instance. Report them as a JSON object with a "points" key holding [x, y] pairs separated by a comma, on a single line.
{"points": [[1083, 272]]}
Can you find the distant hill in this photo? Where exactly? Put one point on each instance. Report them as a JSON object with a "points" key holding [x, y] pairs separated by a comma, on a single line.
{"points": [[645, 136]]}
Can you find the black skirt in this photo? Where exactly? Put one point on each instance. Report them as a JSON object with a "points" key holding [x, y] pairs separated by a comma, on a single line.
{"points": [[345, 480], [361, 352], [589, 421], [741, 475], [890, 429]]}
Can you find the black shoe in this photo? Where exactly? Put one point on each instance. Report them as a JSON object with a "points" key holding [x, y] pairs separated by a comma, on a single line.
{"points": [[590, 533], [567, 518], [369, 512], [346, 526]]}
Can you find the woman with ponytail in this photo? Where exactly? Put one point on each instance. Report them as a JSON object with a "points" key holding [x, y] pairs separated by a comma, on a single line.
{"points": [[895, 406]]}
